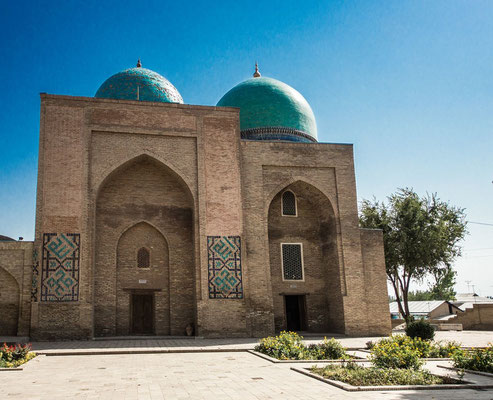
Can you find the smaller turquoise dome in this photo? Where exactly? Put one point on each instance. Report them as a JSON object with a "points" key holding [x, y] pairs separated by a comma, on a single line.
{"points": [[139, 84], [271, 110]]}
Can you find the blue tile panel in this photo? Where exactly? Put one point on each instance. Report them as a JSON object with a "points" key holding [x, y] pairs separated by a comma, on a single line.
{"points": [[139, 84], [269, 103], [224, 265], [60, 269], [35, 277]]}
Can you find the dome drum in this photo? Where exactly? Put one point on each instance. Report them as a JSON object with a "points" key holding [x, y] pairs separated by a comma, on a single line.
{"points": [[277, 133]]}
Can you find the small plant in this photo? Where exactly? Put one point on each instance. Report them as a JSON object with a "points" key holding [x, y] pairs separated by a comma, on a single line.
{"points": [[421, 329], [475, 359], [370, 344]]}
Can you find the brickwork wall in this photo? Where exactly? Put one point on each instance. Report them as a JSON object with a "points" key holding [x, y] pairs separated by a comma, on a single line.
{"points": [[15, 287], [9, 304], [314, 227], [268, 168], [106, 165], [144, 191], [479, 318], [376, 294]]}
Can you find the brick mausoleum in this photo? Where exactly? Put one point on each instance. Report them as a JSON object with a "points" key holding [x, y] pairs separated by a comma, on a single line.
{"points": [[161, 218]]}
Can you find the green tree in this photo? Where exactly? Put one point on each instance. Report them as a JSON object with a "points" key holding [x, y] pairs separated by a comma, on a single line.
{"points": [[442, 288], [421, 237]]}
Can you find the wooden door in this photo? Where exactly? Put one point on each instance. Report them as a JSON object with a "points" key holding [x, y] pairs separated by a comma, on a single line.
{"points": [[142, 314]]}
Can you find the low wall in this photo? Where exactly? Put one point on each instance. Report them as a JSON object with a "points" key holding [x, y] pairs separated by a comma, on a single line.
{"points": [[478, 318]]}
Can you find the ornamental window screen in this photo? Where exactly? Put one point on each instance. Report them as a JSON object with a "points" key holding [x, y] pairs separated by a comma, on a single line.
{"points": [[288, 203], [292, 263], [143, 258]]}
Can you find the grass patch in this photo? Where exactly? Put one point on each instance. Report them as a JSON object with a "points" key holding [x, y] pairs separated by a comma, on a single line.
{"points": [[357, 375]]}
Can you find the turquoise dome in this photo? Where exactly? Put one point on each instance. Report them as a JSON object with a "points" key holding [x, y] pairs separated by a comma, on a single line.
{"points": [[139, 84], [271, 110]]}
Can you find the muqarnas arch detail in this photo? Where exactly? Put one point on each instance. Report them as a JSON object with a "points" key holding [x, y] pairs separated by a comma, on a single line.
{"points": [[224, 262], [60, 270]]}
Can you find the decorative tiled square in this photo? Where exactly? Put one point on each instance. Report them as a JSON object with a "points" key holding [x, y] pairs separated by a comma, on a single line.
{"points": [[35, 277], [224, 261], [60, 270]]}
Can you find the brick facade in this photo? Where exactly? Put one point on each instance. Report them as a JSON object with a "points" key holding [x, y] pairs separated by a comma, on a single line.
{"points": [[123, 175]]}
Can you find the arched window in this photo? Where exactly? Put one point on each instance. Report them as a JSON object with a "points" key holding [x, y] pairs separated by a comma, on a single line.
{"points": [[288, 203], [143, 258]]}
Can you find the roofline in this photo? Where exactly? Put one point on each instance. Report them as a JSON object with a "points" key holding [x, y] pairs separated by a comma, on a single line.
{"points": [[44, 95]]}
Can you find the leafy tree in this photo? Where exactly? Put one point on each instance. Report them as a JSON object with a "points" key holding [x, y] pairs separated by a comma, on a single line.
{"points": [[441, 289], [421, 237]]}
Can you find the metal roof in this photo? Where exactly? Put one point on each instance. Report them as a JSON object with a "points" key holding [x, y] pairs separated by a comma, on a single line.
{"points": [[418, 307]]}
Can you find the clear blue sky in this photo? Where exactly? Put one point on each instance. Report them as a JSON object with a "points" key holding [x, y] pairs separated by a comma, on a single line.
{"points": [[410, 83]]}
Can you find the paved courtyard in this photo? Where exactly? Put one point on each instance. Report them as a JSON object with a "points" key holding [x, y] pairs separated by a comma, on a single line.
{"points": [[183, 368], [237, 375]]}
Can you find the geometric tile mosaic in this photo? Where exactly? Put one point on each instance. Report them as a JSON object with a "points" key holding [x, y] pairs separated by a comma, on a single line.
{"points": [[60, 268], [35, 277], [224, 265]]}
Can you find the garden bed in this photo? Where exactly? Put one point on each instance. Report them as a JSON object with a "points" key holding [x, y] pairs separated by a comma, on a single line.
{"points": [[12, 358], [367, 379], [468, 371], [276, 360]]}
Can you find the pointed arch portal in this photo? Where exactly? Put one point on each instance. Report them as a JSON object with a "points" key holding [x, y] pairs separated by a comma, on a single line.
{"points": [[144, 207]]}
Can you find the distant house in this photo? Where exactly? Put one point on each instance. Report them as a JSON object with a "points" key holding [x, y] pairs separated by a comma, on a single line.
{"points": [[433, 309], [466, 301]]}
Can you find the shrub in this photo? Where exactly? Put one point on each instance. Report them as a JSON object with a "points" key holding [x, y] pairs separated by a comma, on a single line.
{"points": [[443, 350], [421, 329], [475, 359], [288, 345], [398, 352], [329, 349]]}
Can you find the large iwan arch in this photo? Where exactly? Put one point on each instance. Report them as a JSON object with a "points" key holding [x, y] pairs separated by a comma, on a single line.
{"points": [[144, 204], [304, 262]]}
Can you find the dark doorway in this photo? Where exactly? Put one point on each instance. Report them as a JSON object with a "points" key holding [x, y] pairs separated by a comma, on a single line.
{"points": [[295, 313], [142, 314]]}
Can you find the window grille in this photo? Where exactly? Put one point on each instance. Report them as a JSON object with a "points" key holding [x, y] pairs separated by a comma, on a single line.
{"points": [[288, 203], [143, 258], [292, 264]]}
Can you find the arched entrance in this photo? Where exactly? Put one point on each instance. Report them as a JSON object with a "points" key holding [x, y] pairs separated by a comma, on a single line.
{"points": [[9, 304], [144, 270], [304, 262]]}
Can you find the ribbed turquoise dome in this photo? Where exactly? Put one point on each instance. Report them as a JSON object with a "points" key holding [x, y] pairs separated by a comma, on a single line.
{"points": [[271, 110], [139, 84]]}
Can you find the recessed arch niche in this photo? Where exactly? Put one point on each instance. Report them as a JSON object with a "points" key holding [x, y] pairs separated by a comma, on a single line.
{"points": [[9, 304], [315, 229], [144, 204]]}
